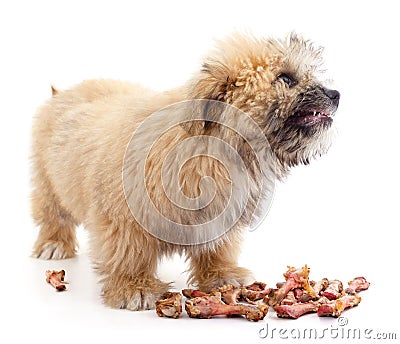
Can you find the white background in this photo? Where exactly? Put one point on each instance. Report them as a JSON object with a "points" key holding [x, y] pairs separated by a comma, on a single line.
{"points": [[339, 215]]}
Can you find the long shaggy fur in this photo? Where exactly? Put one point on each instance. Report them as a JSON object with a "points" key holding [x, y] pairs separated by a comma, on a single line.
{"points": [[80, 138]]}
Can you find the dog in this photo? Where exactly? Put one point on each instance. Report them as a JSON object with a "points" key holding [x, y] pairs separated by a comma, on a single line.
{"points": [[86, 168]]}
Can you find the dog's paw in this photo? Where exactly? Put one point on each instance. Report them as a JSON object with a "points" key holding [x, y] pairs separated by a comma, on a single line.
{"points": [[142, 300], [237, 276], [134, 295], [52, 250]]}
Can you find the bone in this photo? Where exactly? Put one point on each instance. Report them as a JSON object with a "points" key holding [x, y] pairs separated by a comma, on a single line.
{"points": [[336, 307], [56, 279], [357, 284], [170, 306], [212, 305]]}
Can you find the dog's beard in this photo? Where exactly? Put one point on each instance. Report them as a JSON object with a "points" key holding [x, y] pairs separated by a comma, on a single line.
{"points": [[296, 145]]}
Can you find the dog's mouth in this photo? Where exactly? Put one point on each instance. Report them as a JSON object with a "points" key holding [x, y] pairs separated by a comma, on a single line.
{"points": [[308, 118]]}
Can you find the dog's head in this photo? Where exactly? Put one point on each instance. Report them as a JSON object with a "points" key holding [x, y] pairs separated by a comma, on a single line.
{"points": [[276, 83]]}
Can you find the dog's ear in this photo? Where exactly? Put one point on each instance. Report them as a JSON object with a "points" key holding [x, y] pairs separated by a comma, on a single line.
{"points": [[54, 91], [212, 83]]}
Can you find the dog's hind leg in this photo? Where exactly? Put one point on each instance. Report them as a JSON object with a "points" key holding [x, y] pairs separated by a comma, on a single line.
{"points": [[57, 237]]}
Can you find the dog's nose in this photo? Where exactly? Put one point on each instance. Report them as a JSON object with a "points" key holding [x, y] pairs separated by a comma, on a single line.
{"points": [[333, 95]]}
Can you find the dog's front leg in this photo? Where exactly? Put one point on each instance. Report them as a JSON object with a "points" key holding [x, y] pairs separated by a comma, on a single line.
{"points": [[127, 257], [217, 266]]}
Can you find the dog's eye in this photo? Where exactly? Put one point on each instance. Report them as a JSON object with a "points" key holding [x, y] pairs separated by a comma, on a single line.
{"points": [[287, 79]]}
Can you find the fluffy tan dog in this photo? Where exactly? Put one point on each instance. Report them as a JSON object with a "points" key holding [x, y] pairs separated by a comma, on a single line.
{"points": [[88, 156]]}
